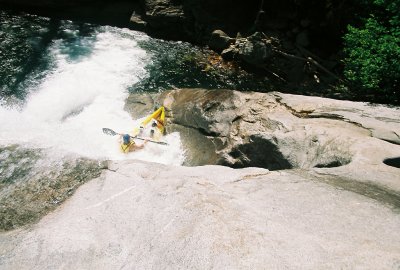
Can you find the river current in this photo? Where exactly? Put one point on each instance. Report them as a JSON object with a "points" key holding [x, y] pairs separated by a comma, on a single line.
{"points": [[61, 82]]}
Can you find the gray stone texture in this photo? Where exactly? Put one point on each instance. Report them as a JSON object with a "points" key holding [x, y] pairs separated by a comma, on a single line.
{"points": [[336, 206]]}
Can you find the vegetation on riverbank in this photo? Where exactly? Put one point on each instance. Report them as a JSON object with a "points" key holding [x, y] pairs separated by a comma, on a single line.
{"points": [[372, 63]]}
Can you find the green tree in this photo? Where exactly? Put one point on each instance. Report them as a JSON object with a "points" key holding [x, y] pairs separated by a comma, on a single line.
{"points": [[372, 63]]}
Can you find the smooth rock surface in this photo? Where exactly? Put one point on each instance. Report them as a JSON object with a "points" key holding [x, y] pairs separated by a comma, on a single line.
{"points": [[148, 216], [349, 140], [382, 121]]}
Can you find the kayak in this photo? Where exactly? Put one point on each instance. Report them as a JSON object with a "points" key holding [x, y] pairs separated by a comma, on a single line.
{"points": [[153, 126], [151, 129]]}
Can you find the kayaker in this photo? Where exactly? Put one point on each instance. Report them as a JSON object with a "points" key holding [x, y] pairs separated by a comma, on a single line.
{"points": [[153, 126], [129, 145], [156, 124]]}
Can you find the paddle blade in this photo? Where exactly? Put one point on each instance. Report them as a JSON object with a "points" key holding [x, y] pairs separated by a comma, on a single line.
{"points": [[109, 132]]}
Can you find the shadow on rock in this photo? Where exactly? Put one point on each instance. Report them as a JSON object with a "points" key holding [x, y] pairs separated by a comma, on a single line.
{"points": [[236, 129], [393, 162], [258, 152]]}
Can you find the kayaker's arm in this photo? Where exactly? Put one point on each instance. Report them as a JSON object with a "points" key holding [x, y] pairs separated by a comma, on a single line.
{"points": [[136, 146], [143, 144]]}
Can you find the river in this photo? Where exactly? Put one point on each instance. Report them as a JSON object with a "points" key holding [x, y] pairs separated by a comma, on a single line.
{"points": [[61, 82]]}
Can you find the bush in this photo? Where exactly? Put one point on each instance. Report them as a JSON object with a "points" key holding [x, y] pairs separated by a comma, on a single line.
{"points": [[372, 63]]}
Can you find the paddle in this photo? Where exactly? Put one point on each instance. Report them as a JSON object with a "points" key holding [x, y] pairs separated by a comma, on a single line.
{"points": [[111, 132]]}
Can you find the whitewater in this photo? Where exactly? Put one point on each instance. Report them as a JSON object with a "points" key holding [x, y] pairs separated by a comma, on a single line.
{"points": [[65, 111]]}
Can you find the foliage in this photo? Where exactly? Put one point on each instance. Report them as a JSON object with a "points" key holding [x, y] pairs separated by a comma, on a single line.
{"points": [[372, 65]]}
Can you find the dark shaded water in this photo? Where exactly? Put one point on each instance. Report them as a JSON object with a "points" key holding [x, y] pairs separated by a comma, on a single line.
{"points": [[25, 40]]}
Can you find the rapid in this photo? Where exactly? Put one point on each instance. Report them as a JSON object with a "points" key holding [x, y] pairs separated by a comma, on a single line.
{"points": [[61, 83], [83, 89]]}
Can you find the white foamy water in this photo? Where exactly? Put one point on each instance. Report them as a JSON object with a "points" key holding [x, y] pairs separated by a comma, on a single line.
{"points": [[69, 108]]}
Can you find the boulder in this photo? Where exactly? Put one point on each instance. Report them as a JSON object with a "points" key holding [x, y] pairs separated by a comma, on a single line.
{"points": [[280, 131], [137, 22], [165, 19], [220, 41], [140, 105], [229, 53], [253, 129], [254, 50], [163, 12]]}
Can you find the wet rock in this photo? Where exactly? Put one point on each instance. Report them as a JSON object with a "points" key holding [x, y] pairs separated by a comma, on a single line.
{"points": [[31, 188], [162, 12], [254, 50], [137, 22], [220, 41], [140, 105], [229, 53], [165, 19]]}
